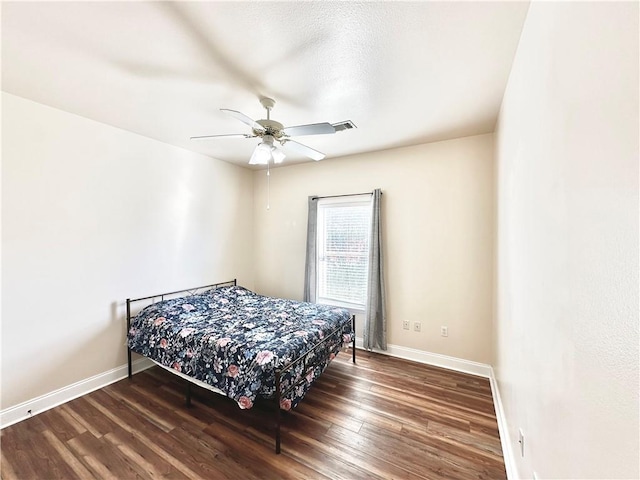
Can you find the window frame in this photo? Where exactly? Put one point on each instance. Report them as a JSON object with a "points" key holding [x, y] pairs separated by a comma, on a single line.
{"points": [[343, 201]]}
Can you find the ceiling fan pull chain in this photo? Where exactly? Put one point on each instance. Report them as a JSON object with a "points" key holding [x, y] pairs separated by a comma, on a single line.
{"points": [[268, 186]]}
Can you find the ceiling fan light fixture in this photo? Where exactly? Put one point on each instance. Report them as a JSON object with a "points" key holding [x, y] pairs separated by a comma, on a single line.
{"points": [[260, 156], [262, 153], [278, 155]]}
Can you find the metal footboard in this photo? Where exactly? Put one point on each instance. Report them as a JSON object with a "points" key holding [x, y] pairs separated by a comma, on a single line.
{"points": [[279, 372]]}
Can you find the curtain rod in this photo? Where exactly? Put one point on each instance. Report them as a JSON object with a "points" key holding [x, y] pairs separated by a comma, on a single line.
{"points": [[345, 195]]}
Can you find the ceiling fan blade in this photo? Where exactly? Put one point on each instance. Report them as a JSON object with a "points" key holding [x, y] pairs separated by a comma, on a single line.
{"points": [[303, 149], [311, 129], [230, 135], [243, 118]]}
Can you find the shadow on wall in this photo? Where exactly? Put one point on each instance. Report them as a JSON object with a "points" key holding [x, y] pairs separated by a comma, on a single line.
{"points": [[86, 353]]}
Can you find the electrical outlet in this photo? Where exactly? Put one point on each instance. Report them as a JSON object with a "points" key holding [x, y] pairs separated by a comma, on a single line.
{"points": [[444, 331], [416, 326], [405, 324], [521, 442]]}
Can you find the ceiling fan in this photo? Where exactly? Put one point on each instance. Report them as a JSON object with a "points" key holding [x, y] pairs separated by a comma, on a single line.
{"points": [[272, 132]]}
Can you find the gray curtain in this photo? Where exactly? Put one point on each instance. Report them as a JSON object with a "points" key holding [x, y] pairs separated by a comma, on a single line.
{"points": [[375, 320], [310, 265]]}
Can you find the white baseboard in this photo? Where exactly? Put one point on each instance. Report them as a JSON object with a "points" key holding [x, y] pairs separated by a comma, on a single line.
{"points": [[465, 366], [505, 440], [436, 359], [32, 407]]}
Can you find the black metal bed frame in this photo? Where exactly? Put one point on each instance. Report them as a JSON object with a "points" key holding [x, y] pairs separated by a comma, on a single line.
{"points": [[278, 372]]}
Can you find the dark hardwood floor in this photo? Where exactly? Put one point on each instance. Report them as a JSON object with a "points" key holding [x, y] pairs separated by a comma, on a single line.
{"points": [[381, 418]]}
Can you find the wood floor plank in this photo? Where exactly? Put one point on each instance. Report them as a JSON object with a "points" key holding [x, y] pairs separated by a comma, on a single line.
{"points": [[420, 457], [316, 411], [156, 415], [32, 454], [67, 411], [6, 470], [353, 409], [145, 432], [375, 458], [227, 459], [485, 442], [138, 452], [16, 461], [74, 464], [382, 418], [48, 459], [261, 454], [85, 410], [103, 459], [330, 459]]}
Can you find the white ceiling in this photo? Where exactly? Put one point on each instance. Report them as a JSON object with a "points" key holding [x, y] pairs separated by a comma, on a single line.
{"points": [[404, 73]]}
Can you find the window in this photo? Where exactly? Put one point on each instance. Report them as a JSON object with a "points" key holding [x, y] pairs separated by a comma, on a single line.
{"points": [[343, 250]]}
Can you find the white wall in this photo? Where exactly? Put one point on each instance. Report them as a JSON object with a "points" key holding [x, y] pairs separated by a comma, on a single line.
{"points": [[567, 251], [437, 209], [92, 215]]}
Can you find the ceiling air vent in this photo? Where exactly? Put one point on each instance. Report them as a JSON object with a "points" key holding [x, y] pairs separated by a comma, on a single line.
{"points": [[346, 125]]}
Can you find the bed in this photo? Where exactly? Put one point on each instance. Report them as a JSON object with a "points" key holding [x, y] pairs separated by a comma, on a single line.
{"points": [[237, 343]]}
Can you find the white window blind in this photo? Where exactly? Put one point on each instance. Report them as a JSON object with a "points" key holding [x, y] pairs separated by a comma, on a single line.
{"points": [[343, 250]]}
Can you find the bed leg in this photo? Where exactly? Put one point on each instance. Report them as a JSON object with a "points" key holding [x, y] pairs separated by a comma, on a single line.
{"points": [[129, 363], [188, 394], [278, 413], [353, 345]]}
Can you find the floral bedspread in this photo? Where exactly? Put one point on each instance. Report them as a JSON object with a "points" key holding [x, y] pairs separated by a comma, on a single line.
{"points": [[234, 339]]}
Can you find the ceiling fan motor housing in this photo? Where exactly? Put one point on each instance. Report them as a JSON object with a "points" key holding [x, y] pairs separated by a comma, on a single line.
{"points": [[271, 127]]}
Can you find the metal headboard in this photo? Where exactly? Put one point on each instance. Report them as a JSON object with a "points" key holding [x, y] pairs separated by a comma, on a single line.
{"points": [[160, 296]]}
